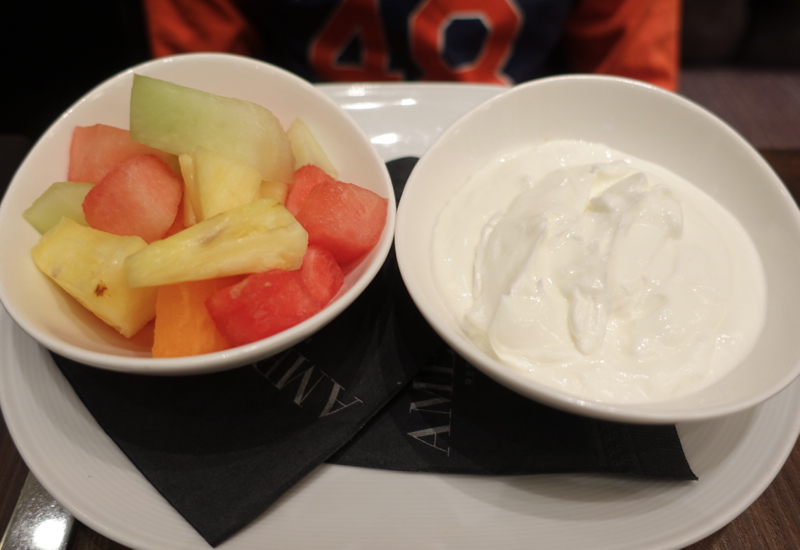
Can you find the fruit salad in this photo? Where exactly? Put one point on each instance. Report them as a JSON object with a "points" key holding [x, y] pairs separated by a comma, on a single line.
{"points": [[206, 216]]}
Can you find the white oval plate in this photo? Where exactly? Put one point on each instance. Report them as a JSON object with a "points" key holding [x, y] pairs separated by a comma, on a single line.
{"points": [[335, 507]]}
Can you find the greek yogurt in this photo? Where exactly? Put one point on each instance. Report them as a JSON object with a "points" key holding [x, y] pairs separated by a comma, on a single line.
{"points": [[598, 273]]}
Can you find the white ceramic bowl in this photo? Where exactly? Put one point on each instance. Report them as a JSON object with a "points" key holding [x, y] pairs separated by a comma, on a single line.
{"points": [[58, 323], [651, 124]]}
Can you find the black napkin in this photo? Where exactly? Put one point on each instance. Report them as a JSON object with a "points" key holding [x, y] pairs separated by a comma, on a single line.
{"points": [[454, 419], [375, 388], [222, 447]]}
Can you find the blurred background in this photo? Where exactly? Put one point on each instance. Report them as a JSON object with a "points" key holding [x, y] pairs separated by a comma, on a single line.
{"points": [[56, 51], [740, 59]]}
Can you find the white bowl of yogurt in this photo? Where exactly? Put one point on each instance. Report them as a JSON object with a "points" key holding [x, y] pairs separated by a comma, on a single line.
{"points": [[608, 248]]}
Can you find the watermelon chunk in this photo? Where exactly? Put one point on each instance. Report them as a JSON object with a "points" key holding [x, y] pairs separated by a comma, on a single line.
{"points": [[95, 150], [261, 305], [321, 274], [344, 218], [139, 197], [305, 179]]}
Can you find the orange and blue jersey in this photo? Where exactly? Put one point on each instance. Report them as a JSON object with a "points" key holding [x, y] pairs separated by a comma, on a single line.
{"points": [[497, 41]]}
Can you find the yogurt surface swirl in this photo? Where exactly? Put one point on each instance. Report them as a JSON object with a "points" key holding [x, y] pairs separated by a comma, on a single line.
{"points": [[599, 273]]}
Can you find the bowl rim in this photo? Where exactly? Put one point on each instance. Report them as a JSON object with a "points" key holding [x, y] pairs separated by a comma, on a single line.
{"points": [[240, 355], [637, 413]]}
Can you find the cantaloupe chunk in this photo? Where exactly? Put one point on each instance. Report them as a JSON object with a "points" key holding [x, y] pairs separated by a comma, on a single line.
{"points": [[88, 264], [178, 119], [183, 325]]}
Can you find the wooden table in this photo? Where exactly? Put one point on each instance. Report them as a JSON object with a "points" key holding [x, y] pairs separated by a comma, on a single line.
{"points": [[771, 522]]}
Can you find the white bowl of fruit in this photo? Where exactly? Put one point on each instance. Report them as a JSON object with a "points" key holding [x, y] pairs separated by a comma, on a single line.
{"points": [[193, 214]]}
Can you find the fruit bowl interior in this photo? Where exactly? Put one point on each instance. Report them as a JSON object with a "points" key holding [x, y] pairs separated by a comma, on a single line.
{"points": [[653, 125], [60, 324]]}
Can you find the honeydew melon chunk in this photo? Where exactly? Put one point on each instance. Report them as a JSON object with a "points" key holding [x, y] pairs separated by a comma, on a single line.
{"points": [[307, 150], [223, 184], [88, 264], [251, 238], [178, 119], [63, 199]]}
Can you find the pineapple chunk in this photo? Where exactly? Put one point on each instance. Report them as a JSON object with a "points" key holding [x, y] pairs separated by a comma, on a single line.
{"points": [[255, 237], [275, 189], [177, 119], [191, 198], [88, 264], [222, 184], [307, 150], [63, 199]]}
